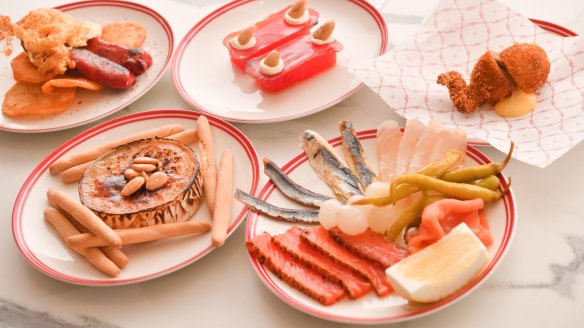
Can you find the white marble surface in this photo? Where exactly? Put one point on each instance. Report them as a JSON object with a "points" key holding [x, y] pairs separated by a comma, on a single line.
{"points": [[539, 284]]}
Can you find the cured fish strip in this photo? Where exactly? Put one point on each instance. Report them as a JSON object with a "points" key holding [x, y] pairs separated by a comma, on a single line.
{"points": [[355, 155], [293, 272], [320, 239], [372, 246], [275, 212], [291, 243]]}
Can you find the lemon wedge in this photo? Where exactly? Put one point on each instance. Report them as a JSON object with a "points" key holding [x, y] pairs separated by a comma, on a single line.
{"points": [[440, 269]]}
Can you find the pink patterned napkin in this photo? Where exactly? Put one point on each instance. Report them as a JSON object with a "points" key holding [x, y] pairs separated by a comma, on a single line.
{"points": [[456, 34]]}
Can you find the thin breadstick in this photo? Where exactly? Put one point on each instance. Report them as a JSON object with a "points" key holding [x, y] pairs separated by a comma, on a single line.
{"points": [[209, 168], [84, 216], [187, 137], [94, 255], [142, 235], [116, 255], [223, 199], [89, 155], [74, 173]]}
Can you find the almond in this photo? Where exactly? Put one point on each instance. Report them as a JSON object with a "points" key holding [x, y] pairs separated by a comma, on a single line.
{"points": [[143, 167], [145, 160], [297, 9], [132, 186], [272, 59], [130, 174], [156, 180], [325, 31], [246, 34]]}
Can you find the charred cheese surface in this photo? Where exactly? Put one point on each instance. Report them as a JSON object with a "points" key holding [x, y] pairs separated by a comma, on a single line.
{"points": [[177, 200]]}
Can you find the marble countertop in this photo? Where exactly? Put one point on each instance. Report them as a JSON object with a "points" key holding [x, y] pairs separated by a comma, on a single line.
{"points": [[539, 284]]}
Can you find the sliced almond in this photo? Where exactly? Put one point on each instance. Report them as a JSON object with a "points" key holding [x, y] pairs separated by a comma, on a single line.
{"points": [[272, 59], [245, 35], [325, 31], [297, 9], [145, 160], [156, 180], [132, 186], [143, 167]]}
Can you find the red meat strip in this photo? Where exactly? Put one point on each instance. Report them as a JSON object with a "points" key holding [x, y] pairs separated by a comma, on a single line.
{"points": [[372, 246], [291, 243], [320, 239], [293, 272]]}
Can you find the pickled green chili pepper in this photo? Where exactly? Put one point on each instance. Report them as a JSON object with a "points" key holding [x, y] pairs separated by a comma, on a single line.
{"points": [[456, 190], [473, 173], [409, 215], [491, 182], [434, 169]]}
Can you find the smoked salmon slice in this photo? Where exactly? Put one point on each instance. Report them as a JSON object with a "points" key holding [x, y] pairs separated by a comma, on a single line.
{"points": [[319, 239], [291, 243], [442, 216], [293, 272], [372, 246]]}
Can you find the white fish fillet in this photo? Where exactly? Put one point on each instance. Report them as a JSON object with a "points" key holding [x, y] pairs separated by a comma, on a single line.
{"points": [[425, 145], [388, 141], [412, 133], [447, 139]]}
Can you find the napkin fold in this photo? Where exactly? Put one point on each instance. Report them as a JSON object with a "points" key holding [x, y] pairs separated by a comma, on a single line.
{"points": [[453, 37]]}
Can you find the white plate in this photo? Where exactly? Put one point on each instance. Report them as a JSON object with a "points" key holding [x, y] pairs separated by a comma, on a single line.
{"points": [[204, 76], [41, 246], [370, 308], [93, 105]]}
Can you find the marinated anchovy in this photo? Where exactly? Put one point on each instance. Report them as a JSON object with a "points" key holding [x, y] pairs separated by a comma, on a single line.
{"points": [[355, 155], [329, 167], [290, 188], [275, 212]]}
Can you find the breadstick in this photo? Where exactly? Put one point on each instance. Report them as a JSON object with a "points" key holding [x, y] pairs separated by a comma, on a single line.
{"points": [[84, 216], [116, 255], [187, 137], [89, 155], [74, 173], [94, 255], [208, 168], [142, 235], [223, 199]]}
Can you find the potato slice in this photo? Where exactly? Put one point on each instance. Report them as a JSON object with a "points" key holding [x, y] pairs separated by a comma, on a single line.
{"points": [[27, 99], [24, 71], [129, 34], [70, 82]]}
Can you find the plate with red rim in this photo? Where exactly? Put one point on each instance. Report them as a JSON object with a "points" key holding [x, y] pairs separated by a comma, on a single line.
{"points": [[93, 105], [550, 27], [42, 247], [210, 82], [371, 309]]}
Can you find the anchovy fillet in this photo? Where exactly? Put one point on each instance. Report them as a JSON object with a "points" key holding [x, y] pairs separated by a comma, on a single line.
{"points": [[355, 155], [329, 167], [275, 212], [289, 188]]}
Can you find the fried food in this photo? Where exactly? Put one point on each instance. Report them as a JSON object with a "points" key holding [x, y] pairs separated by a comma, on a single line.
{"points": [[129, 34], [47, 35], [70, 82], [27, 99], [494, 77], [24, 71]]}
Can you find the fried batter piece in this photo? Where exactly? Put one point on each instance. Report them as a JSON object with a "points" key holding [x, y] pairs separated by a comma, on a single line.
{"points": [[47, 35], [523, 66]]}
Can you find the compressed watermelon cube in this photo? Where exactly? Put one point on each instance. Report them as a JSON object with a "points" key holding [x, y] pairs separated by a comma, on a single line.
{"points": [[269, 34], [301, 58]]}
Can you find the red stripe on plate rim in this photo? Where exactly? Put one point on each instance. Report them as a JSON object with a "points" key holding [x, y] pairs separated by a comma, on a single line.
{"points": [[122, 4], [176, 61], [95, 131], [263, 273]]}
